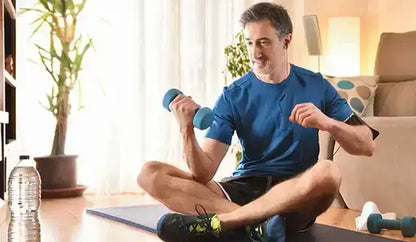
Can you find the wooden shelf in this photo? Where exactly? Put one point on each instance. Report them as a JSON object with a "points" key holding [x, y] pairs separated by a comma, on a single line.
{"points": [[4, 117], [10, 8], [10, 148], [9, 79]]}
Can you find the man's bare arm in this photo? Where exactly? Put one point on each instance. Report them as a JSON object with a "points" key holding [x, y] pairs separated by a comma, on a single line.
{"points": [[202, 161], [356, 140]]}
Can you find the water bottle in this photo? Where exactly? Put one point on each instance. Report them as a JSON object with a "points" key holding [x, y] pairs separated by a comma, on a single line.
{"points": [[24, 201]]}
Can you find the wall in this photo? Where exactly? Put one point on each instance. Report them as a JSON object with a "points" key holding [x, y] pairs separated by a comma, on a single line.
{"points": [[376, 17], [396, 16]]}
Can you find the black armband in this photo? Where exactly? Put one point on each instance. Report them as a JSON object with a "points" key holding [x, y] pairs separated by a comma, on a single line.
{"points": [[354, 120]]}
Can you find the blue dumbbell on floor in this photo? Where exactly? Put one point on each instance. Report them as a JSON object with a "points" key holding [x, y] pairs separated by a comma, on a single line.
{"points": [[407, 225], [203, 117]]}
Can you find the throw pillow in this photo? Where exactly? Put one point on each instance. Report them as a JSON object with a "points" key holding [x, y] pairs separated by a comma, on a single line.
{"points": [[358, 91]]}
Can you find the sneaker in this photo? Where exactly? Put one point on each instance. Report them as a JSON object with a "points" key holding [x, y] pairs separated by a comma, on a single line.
{"points": [[276, 229], [272, 230], [204, 227], [257, 233], [175, 227]]}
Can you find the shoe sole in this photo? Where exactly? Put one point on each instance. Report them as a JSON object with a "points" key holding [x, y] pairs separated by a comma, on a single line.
{"points": [[159, 225]]}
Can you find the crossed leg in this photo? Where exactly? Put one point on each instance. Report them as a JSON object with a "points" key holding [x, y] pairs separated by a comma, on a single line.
{"points": [[179, 192], [311, 191]]}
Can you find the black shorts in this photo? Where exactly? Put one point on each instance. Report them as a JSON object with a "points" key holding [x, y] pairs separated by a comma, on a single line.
{"points": [[242, 190]]}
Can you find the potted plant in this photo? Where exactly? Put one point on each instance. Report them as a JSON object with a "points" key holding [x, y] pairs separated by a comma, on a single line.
{"points": [[237, 64], [62, 58], [237, 60]]}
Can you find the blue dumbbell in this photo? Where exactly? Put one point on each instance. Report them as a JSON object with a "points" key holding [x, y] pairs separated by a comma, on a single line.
{"points": [[407, 225], [203, 116]]}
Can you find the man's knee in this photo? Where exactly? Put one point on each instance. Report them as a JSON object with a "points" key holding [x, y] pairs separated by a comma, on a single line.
{"points": [[322, 182], [151, 176], [325, 177]]}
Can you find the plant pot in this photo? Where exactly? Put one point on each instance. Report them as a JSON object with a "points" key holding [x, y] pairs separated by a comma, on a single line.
{"points": [[57, 172]]}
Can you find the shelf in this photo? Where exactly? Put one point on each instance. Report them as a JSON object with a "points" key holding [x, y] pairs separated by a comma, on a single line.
{"points": [[10, 148], [9, 79], [10, 8], [4, 117], [8, 138]]}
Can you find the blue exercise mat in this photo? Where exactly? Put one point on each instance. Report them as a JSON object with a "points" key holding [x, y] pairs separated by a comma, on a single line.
{"points": [[146, 217], [143, 216]]}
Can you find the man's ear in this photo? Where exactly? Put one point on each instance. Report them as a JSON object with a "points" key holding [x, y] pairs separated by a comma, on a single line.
{"points": [[287, 40]]}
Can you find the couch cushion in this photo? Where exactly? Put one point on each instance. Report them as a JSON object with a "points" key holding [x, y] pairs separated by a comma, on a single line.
{"points": [[395, 99], [396, 57], [358, 91]]}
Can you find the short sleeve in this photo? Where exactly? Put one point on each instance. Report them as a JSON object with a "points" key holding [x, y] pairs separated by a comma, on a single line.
{"points": [[335, 106], [223, 126]]}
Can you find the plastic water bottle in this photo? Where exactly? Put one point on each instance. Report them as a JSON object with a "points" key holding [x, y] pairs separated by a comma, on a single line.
{"points": [[24, 201]]}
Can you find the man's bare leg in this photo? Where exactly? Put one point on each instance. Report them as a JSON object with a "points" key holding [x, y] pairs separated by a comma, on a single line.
{"points": [[313, 190], [177, 190]]}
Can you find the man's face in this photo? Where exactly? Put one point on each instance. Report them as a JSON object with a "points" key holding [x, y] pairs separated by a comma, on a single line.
{"points": [[266, 51]]}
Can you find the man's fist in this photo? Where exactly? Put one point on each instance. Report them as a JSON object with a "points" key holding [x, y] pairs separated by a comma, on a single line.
{"points": [[308, 115], [183, 107]]}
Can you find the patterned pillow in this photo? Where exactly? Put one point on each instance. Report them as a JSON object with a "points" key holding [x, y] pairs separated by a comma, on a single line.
{"points": [[358, 91]]}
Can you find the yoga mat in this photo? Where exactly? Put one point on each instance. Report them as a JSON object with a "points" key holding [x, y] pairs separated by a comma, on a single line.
{"points": [[143, 216], [324, 233], [146, 217]]}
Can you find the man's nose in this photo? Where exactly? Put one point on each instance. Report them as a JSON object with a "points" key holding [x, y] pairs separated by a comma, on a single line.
{"points": [[256, 51]]}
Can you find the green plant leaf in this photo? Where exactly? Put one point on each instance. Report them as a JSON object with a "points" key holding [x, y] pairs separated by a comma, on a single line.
{"points": [[80, 57], [24, 10], [44, 3], [237, 61]]}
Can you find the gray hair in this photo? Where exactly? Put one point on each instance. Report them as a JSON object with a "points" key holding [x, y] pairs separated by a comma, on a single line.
{"points": [[275, 13]]}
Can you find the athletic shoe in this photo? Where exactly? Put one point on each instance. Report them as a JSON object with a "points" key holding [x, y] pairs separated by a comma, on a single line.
{"points": [[204, 227], [176, 227]]}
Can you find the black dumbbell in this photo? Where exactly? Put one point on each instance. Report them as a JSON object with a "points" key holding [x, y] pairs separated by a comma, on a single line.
{"points": [[407, 225], [203, 117]]}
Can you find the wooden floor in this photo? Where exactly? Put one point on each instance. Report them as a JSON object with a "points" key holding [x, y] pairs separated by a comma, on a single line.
{"points": [[65, 220]]}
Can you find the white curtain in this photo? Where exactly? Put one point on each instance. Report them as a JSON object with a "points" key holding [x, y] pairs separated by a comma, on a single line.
{"points": [[142, 48]]}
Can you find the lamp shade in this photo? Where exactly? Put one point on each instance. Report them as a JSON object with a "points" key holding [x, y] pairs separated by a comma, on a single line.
{"points": [[312, 34], [343, 46]]}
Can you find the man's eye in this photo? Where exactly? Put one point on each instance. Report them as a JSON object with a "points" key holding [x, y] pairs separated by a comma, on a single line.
{"points": [[264, 42], [249, 43]]}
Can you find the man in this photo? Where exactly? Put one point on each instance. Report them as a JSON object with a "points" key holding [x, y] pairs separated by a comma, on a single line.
{"points": [[276, 110]]}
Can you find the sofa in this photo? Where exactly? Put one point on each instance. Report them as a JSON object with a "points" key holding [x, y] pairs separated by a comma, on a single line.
{"points": [[388, 178]]}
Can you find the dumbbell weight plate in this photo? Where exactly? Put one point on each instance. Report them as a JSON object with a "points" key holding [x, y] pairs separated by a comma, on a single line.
{"points": [[203, 118], [372, 223], [409, 226], [169, 96]]}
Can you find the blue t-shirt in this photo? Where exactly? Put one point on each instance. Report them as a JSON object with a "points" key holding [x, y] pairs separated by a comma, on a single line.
{"points": [[259, 113]]}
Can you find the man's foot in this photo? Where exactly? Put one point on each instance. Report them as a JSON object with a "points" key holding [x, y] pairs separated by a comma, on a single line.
{"points": [[272, 230], [175, 227]]}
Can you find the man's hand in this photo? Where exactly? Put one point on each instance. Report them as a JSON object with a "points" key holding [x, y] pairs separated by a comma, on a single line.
{"points": [[308, 115], [183, 107]]}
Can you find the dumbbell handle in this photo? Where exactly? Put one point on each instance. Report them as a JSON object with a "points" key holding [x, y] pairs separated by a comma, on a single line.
{"points": [[390, 224], [169, 96]]}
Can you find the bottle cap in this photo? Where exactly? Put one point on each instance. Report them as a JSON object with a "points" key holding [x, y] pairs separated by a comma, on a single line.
{"points": [[24, 157]]}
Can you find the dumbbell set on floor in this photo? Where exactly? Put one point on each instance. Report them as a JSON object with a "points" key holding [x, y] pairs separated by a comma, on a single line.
{"points": [[203, 117], [407, 225]]}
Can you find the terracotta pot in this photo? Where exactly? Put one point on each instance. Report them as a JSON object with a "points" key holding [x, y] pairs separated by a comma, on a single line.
{"points": [[57, 172]]}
